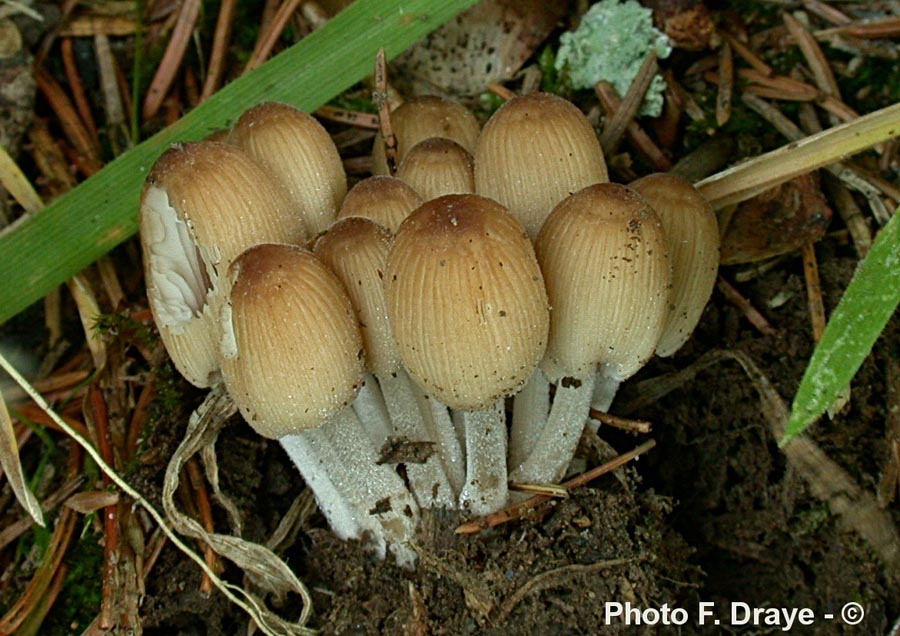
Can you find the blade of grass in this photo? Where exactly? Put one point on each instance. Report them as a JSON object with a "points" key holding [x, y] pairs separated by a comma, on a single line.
{"points": [[871, 297], [43, 250]]}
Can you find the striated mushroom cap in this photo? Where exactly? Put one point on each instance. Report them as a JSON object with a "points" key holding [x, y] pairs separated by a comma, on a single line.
{"points": [[536, 150], [356, 250], [385, 200], [466, 301], [291, 352], [422, 117], [438, 166], [692, 237], [204, 203], [603, 255], [295, 148]]}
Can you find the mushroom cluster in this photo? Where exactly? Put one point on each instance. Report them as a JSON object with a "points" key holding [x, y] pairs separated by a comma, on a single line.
{"points": [[490, 265]]}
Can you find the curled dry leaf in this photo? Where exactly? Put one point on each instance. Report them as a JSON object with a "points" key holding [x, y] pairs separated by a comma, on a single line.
{"points": [[12, 467]]}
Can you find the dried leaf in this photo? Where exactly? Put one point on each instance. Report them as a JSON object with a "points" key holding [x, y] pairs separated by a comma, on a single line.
{"points": [[91, 501], [12, 467]]}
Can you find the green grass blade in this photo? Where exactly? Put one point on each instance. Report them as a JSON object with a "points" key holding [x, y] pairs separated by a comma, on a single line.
{"points": [[870, 299], [45, 249]]}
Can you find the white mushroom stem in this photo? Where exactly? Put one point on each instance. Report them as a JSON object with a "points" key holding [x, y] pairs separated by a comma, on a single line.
{"points": [[450, 447], [376, 489], [427, 480], [372, 412], [486, 488], [316, 458], [530, 408], [551, 455]]}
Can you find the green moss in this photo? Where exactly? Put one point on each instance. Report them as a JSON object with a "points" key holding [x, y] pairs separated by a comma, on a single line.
{"points": [[79, 600]]}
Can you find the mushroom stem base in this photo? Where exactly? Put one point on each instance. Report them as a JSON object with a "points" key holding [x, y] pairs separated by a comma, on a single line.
{"points": [[486, 484]]}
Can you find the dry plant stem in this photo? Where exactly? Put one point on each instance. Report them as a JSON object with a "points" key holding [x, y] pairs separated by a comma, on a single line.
{"points": [[632, 426], [890, 474], [500, 91], [746, 54], [171, 60], [518, 510], [813, 291], [555, 447], [217, 55], [486, 487], [100, 417], [77, 87], [748, 179], [68, 116], [273, 31], [349, 117], [531, 406], [112, 98], [234, 593], [203, 506], [380, 97], [851, 213], [625, 113], [750, 312], [641, 140], [726, 85]]}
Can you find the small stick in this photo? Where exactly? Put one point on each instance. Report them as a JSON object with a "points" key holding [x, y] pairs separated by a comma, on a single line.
{"points": [[554, 491], [205, 510], [641, 140], [851, 213], [171, 60], [112, 98], [84, 26], [747, 55], [68, 117], [77, 87], [217, 55], [745, 306], [33, 414], [380, 97], [267, 42], [632, 426], [501, 91], [100, 417], [726, 85], [814, 56], [349, 117], [814, 291], [139, 417], [827, 12], [516, 511], [627, 110]]}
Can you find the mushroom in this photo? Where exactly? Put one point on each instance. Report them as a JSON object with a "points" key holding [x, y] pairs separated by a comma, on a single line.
{"points": [[292, 362], [295, 148], [438, 166], [692, 236], [469, 312], [203, 203], [356, 250], [603, 255], [422, 117], [536, 150], [385, 200]]}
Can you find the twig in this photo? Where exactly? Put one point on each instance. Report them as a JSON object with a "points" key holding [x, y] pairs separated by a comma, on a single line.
{"points": [[746, 54], [515, 511], [726, 85], [67, 115], [77, 87], [626, 111], [349, 117], [205, 511], [814, 291], [500, 91], [380, 97], [632, 426], [267, 42], [171, 60], [814, 56], [641, 140], [750, 312], [851, 213], [217, 55]]}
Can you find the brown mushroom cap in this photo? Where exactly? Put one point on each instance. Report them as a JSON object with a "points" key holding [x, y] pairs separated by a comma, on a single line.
{"points": [[466, 301], [356, 250], [385, 200], [603, 255], [536, 150], [301, 154], [437, 166], [291, 352], [204, 203], [692, 236], [422, 117]]}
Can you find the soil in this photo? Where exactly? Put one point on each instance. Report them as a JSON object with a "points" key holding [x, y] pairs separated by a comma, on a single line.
{"points": [[713, 514]]}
